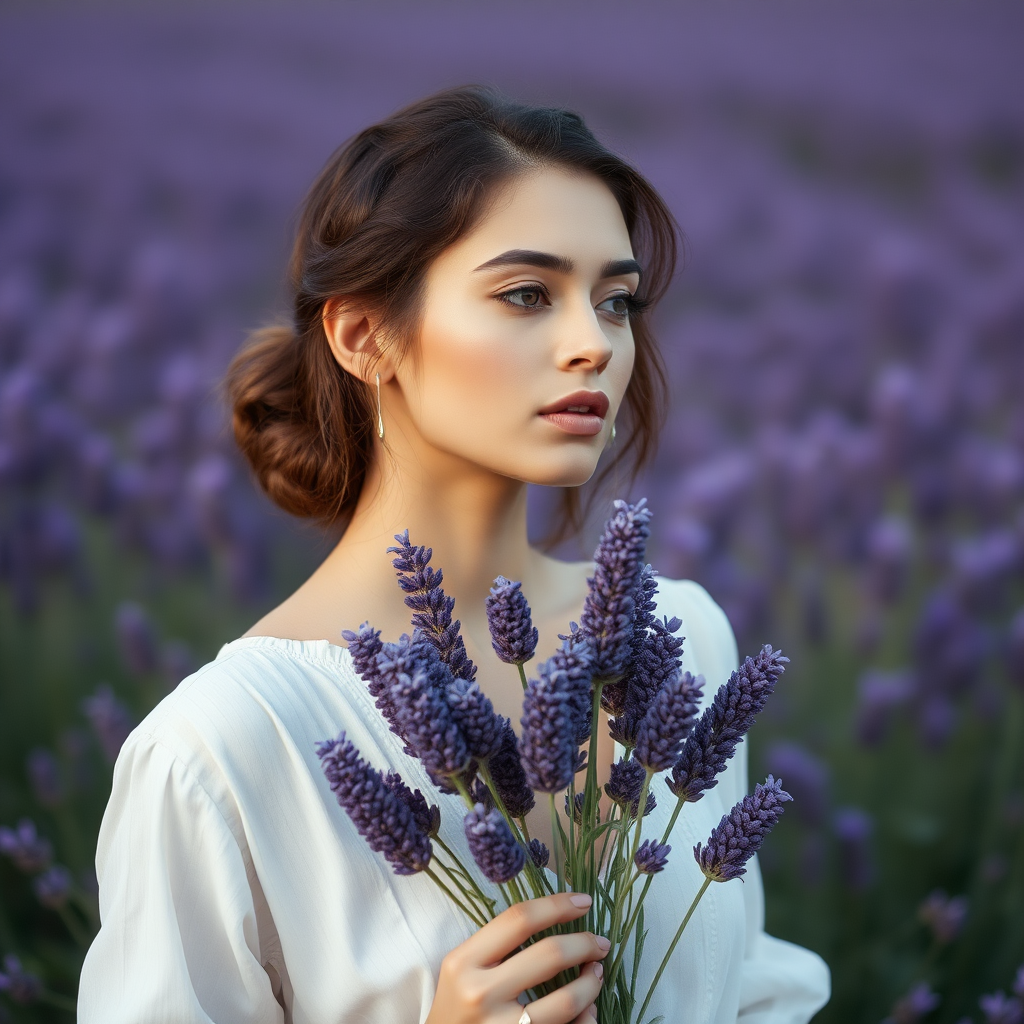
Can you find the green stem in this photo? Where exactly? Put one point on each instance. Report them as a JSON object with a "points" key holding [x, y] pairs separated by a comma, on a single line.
{"points": [[487, 911], [556, 827], [455, 899], [522, 673], [630, 925], [672, 946]]}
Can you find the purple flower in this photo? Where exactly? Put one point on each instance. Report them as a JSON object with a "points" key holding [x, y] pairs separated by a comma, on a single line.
{"points": [[427, 816], [579, 800], [492, 844], [136, 639], [733, 711], [1001, 1009], [110, 720], [539, 853], [53, 886], [364, 645], [943, 915], [508, 775], [651, 857], [668, 721], [607, 619], [889, 547], [740, 833], [656, 659], [807, 777], [427, 724], [853, 828], [432, 608], [18, 983], [625, 782], [513, 635], [634, 691], [550, 725], [475, 716], [879, 694], [382, 817], [917, 1003], [44, 776], [575, 659], [28, 851]]}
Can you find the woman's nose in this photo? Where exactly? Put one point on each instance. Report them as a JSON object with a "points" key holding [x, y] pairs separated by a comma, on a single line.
{"points": [[581, 339]]}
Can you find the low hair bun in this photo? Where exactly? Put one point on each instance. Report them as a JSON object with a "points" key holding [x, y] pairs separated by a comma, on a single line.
{"points": [[301, 422]]}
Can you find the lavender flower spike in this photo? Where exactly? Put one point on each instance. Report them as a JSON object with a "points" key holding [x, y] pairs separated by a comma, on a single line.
{"points": [[475, 716], [53, 887], [917, 1003], [549, 730], [18, 983], [432, 608], [513, 634], [720, 728], [508, 775], [381, 817], [740, 833], [426, 721], [1001, 1009], [28, 851], [668, 721], [651, 857], [492, 844], [608, 612], [625, 782], [540, 853]]}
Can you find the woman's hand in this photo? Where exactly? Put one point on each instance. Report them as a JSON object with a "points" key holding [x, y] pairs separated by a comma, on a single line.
{"points": [[478, 985]]}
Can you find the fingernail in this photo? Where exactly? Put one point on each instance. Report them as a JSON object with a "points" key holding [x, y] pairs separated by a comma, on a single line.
{"points": [[592, 1010], [603, 942], [599, 970], [581, 899]]}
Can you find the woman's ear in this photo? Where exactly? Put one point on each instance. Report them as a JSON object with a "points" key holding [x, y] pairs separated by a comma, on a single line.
{"points": [[352, 336]]}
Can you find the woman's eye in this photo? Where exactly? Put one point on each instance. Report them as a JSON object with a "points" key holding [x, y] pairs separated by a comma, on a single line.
{"points": [[523, 298], [617, 305]]}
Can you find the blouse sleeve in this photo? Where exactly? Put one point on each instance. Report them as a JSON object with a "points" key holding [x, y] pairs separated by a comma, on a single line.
{"points": [[782, 983], [179, 941]]}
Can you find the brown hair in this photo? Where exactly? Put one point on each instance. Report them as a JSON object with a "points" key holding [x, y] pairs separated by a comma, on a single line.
{"points": [[388, 202]]}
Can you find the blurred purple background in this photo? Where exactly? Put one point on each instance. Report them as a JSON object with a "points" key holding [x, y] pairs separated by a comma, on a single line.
{"points": [[843, 467]]}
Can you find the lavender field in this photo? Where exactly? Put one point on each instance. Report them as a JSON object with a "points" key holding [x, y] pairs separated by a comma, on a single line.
{"points": [[843, 467]]}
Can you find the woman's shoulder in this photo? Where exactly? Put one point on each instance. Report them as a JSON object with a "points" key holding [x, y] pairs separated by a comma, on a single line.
{"points": [[263, 698]]}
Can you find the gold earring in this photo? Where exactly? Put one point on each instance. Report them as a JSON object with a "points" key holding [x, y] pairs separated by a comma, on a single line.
{"points": [[380, 419]]}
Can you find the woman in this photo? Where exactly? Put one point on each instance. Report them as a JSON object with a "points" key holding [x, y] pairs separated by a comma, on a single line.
{"points": [[471, 282]]}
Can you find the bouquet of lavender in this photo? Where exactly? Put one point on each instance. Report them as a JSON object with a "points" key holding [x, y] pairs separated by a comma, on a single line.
{"points": [[619, 657]]}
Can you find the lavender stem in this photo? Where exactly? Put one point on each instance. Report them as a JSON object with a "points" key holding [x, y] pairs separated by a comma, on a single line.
{"points": [[672, 946], [455, 899], [556, 828], [522, 674]]}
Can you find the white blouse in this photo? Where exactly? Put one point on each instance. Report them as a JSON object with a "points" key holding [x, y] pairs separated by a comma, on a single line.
{"points": [[235, 890]]}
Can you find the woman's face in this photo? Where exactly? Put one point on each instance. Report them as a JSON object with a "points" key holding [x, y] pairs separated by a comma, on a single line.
{"points": [[526, 310]]}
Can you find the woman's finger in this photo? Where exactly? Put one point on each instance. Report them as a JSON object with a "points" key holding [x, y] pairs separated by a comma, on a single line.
{"points": [[512, 927], [569, 1003], [544, 959], [588, 1016]]}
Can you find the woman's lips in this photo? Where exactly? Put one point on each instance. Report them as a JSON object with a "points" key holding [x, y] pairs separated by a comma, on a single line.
{"points": [[583, 423]]}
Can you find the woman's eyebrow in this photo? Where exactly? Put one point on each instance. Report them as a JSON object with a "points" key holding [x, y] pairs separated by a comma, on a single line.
{"points": [[562, 264]]}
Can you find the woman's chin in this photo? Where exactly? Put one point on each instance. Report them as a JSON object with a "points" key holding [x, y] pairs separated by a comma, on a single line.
{"points": [[571, 473]]}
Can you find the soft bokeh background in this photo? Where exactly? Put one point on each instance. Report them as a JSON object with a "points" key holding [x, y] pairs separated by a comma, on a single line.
{"points": [[843, 467]]}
